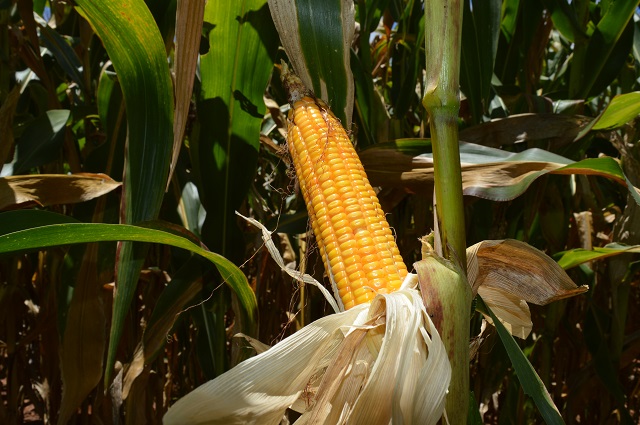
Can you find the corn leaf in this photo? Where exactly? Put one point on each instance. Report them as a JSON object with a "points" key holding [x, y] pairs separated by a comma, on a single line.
{"points": [[486, 172], [593, 61], [575, 257], [306, 29], [225, 143], [509, 273], [136, 48], [519, 269], [620, 111], [84, 338], [40, 142], [558, 130], [235, 72], [188, 31], [64, 54], [479, 44], [21, 235], [529, 379]]}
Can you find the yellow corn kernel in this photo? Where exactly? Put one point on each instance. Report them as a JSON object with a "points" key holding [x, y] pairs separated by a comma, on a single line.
{"points": [[355, 241]]}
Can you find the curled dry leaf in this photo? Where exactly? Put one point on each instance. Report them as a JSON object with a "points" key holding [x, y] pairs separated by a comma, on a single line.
{"points": [[519, 269], [52, 189], [506, 273]]}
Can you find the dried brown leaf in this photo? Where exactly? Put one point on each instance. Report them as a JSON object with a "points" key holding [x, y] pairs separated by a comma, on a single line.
{"points": [[189, 18], [84, 338], [52, 189], [519, 269]]}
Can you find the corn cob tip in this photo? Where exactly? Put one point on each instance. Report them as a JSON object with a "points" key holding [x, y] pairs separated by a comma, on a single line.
{"points": [[293, 85]]}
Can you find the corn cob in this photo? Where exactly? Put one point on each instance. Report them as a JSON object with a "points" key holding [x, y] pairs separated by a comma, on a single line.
{"points": [[356, 244]]}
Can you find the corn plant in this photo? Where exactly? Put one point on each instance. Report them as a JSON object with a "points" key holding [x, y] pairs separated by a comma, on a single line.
{"points": [[161, 254]]}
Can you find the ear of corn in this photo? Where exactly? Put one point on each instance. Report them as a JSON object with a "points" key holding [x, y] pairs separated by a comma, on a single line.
{"points": [[355, 241]]}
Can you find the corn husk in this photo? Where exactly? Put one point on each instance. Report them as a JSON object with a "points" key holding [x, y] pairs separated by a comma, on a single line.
{"points": [[375, 363]]}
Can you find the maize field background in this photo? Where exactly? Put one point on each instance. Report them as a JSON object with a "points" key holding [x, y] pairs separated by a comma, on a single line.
{"points": [[153, 123]]}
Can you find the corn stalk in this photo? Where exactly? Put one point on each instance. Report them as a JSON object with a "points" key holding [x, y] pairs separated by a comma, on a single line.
{"points": [[450, 298]]}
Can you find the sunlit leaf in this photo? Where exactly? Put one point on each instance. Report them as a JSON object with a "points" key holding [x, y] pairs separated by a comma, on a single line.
{"points": [[575, 257], [224, 151], [620, 111], [224, 146]]}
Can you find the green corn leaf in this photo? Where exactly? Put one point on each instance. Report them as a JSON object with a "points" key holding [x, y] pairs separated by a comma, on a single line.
{"points": [[575, 257], [41, 141], [136, 48], [595, 58], [620, 111], [224, 148], [66, 232], [317, 37], [529, 379], [479, 44]]}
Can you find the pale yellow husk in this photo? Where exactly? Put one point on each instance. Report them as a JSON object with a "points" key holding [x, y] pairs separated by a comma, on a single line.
{"points": [[377, 363]]}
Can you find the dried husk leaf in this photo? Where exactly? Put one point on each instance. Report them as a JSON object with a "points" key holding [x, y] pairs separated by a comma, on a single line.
{"points": [[259, 390], [365, 365], [336, 304], [53, 189], [509, 273]]}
